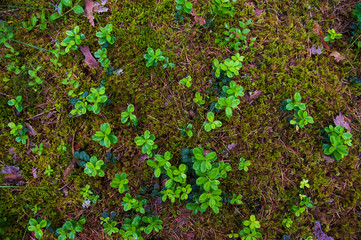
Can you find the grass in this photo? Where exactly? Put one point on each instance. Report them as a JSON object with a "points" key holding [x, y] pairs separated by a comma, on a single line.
{"points": [[279, 65]]}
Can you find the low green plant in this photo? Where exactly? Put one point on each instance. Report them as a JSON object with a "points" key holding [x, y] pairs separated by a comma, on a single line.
{"points": [[73, 82], [301, 119], [36, 226], [154, 57], [236, 199], [224, 7], [110, 225], [70, 229], [198, 99], [305, 201], [332, 35], [103, 58], [160, 163], [187, 130], [19, 132], [69, 3], [95, 167], [287, 222], [233, 90], [136, 204], [17, 102], [34, 75], [297, 210], [146, 141], [97, 97], [186, 81], [120, 182], [339, 140], [132, 228], [296, 105], [304, 183], [73, 40], [38, 149], [231, 66], [128, 115], [48, 171], [61, 147], [88, 196], [105, 36], [202, 162], [184, 6], [243, 164], [211, 123], [228, 103], [105, 137], [235, 38], [175, 175], [154, 224], [249, 232]]}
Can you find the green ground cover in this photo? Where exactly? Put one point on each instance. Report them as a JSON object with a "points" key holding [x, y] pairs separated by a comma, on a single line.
{"points": [[193, 120]]}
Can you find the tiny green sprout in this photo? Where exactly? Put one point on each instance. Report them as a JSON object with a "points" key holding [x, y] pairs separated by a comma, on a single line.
{"points": [[105, 136], [211, 124], [96, 97], [186, 81], [72, 82], [88, 196], [301, 119], [128, 114], [184, 6], [339, 140], [95, 167], [198, 99], [153, 57], [104, 35], [120, 182], [236, 199], [243, 164], [110, 226], [61, 147], [38, 149], [304, 183], [287, 222], [70, 229], [72, 40], [15, 128], [103, 58], [18, 130], [153, 224], [233, 90], [48, 171], [332, 35], [17, 102], [137, 204], [305, 201], [297, 210], [160, 163], [228, 103], [147, 143], [233, 235], [252, 223], [35, 209], [187, 130], [36, 226], [296, 105], [34, 75]]}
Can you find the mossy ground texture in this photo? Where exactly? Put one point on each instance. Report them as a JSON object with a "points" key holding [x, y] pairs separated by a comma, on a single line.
{"points": [[279, 65]]}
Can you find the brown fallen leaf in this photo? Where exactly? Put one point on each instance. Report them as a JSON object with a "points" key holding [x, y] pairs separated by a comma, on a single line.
{"points": [[344, 122], [89, 5], [89, 59], [258, 12], [197, 18], [328, 159], [31, 131], [99, 7], [337, 56], [255, 95], [13, 175]]}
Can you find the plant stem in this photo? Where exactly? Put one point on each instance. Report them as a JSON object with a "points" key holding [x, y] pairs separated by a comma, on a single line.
{"points": [[30, 45], [23, 187]]}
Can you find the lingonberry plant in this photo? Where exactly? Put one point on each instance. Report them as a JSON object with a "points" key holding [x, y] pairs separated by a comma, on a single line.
{"points": [[105, 137], [95, 167], [120, 182], [338, 142], [17, 102], [146, 141], [73, 40], [104, 35], [128, 115], [211, 123]]}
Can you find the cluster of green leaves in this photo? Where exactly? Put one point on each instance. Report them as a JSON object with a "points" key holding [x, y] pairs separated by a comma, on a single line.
{"points": [[332, 35], [19, 132], [187, 130], [160, 163], [198, 99], [105, 137], [34, 75], [154, 57], [146, 141], [128, 115], [304, 202], [136, 204], [88, 195], [69, 3], [301, 117], [104, 35], [103, 57], [36, 226], [38, 149], [243, 164], [72, 40], [224, 7], [48, 171], [287, 222], [356, 28], [31, 23], [17, 102], [230, 101], [184, 6], [211, 123], [110, 225], [231, 66], [235, 38], [249, 232], [95, 167], [97, 97], [73, 82], [132, 228], [70, 229], [120, 182], [186, 81], [339, 140]]}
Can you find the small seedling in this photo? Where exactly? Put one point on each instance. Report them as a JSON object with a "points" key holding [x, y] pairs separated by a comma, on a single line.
{"points": [[161, 163], [304, 183], [120, 182], [147, 143], [95, 167], [70, 229], [103, 58], [72, 40], [339, 140], [34, 75], [48, 171], [17, 102], [332, 35], [230, 66], [110, 226], [243, 164], [287, 222], [198, 99], [61, 147], [187, 130], [211, 124], [96, 97], [236, 199], [228, 103], [104, 35], [36, 226], [38, 149], [186, 81], [128, 114], [301, 119], [154, 224], [105, 137]]}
